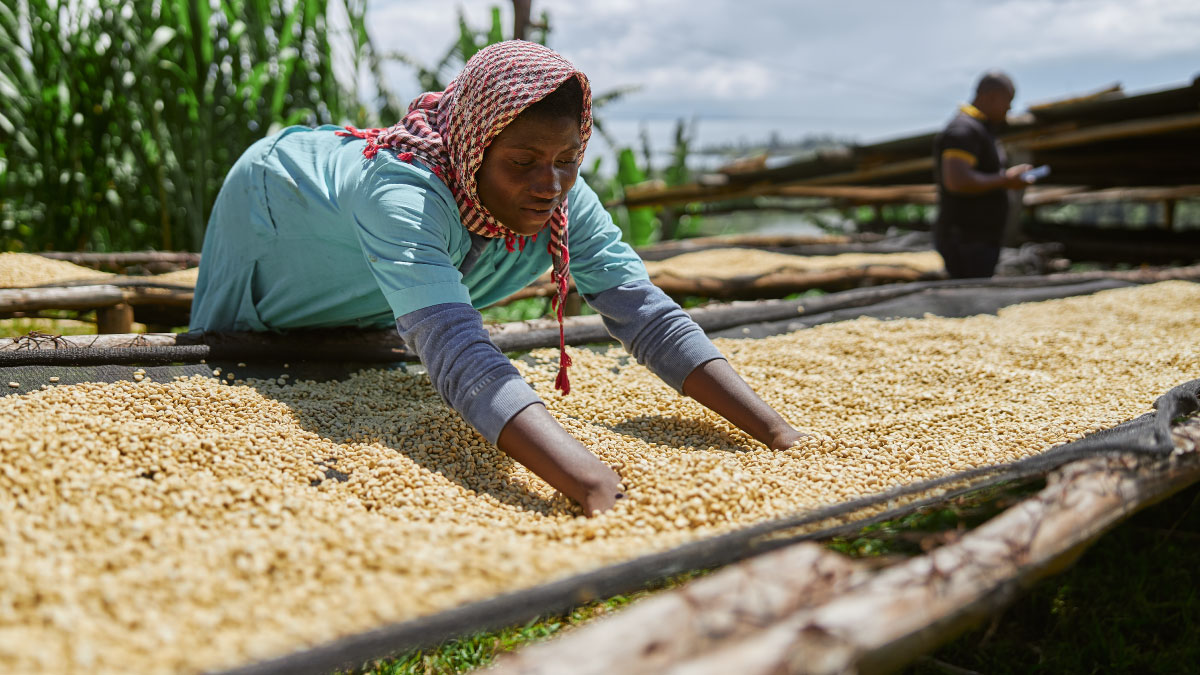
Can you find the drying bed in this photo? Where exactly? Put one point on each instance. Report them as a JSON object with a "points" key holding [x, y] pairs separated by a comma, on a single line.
{"points": [[177, 523]]}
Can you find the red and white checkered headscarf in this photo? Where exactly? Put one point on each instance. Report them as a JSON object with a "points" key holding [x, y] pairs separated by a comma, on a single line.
{"points": [[450, 130]]}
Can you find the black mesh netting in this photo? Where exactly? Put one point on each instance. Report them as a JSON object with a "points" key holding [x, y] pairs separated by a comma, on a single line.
{"points": [[937, 298]]}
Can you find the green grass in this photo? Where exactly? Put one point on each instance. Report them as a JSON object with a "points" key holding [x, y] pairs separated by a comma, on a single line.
{"points": [[120, 119], [930, 527], [517, 310], [810, 293], [18, 327], [475, 651]]}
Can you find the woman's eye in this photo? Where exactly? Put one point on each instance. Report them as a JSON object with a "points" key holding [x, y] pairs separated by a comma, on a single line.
{"points": [[522, 162]]}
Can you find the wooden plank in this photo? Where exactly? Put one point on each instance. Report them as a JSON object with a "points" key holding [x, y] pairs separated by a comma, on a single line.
{"points": [[869, 174], [1037, 195], [42, 341], [911, 194], [522, 335], [1113, 91], [673, 626], [776, 284], [1115, 131], [114, 319], [125, 258], [1147, 194], [77, 297], [769, 285], [90, 297]]}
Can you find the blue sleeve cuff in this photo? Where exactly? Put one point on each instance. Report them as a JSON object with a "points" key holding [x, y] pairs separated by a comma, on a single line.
{"points": [[465, 366], [655, 330], [496, 403]]}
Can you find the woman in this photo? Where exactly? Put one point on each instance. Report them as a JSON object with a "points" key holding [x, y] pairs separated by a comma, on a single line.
{"points": [[472, 196]]}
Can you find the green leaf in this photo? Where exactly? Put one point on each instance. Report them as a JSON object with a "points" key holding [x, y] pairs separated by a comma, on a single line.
{"points": [[628, 172], [297, 116], [466, 39], [496, 34]]}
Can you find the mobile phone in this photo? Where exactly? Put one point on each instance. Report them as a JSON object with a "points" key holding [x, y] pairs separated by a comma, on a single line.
{"points": [[1036, 174]]}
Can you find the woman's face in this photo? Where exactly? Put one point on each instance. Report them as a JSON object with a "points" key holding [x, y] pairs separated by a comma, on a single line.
{"points": [[528, 169]]}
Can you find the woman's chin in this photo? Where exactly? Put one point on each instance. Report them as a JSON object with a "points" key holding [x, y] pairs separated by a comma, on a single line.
{"points": [[530, 223]]}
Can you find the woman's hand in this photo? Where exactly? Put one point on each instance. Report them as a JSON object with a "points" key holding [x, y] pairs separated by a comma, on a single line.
{"points": [[535, 439], [603, 494]]}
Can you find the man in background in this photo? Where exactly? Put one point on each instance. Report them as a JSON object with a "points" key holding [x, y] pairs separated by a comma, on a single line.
{"points": [[972, 181]]}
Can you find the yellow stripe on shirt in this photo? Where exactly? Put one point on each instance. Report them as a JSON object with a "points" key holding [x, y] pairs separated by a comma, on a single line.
{"points": [[973, 112], [960, 154]]}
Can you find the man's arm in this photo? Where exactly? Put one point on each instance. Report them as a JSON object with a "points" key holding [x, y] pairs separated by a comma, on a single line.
{"points": [[958, 175]]}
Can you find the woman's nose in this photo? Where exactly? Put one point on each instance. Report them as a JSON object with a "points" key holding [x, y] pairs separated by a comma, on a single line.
{"points": [[545, 183]]}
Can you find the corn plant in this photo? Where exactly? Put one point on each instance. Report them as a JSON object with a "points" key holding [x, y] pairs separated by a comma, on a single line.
{"points": [[119, 120], [469, 41]]}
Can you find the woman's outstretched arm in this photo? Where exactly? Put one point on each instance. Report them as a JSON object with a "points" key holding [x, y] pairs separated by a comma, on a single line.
{"points": [[535, 439], [719, 388], [478, 381], [664, 338]]}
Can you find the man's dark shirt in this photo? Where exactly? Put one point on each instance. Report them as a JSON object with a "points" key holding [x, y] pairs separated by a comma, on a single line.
{"points": [[962, 217]]}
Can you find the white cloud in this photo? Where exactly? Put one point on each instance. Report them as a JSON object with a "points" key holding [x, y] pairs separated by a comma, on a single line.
{"points": [[1131, 29], [866, 67]]}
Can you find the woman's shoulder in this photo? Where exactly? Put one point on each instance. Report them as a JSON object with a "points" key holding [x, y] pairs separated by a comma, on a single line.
{"points": [[331, 146]]}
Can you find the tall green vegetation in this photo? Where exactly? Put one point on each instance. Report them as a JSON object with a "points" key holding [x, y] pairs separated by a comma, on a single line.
{"points": [[119, 120], [644, 225], [470, 40]]}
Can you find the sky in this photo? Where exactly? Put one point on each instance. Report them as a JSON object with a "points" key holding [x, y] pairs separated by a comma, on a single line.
{"points": [[865, 70]]}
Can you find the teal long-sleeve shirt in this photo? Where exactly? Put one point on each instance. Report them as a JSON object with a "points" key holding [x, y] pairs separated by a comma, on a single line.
{"points": [[308, 233]]}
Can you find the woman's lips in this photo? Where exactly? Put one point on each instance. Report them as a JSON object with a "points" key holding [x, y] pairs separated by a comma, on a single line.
{"points": [[539, 212]]}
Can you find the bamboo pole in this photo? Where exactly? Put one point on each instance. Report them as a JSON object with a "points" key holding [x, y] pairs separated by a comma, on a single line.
{"points": [[386, 345], [753, 619]]}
